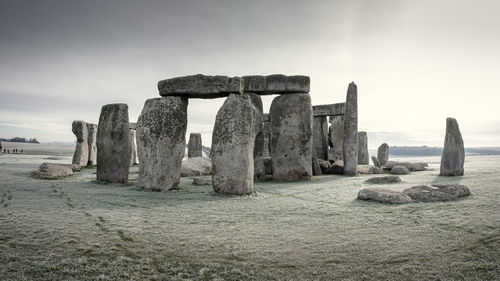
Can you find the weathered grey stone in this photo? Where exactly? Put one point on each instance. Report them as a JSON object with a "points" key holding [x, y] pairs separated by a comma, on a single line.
{"points": [[399, 170], [277, 84], [375, 170], [315, 165], [376, 162], [202, 181], [336, 138], [161, 132], [133, 149], [320, 137], [453, 157], [335, 109], [336, 168], [291, 137], [418, 166], [350, 150], [384, 180], [53, 171], [92, 143], [196, 166], [437, 192], [266, 134], [194, 145], [265, 117], [383, 195], [233, 142], [258, 151], [201, 86], [268, 164], [324, 166], [383, 153], [113, 144], [81, 155], [363, 157]]}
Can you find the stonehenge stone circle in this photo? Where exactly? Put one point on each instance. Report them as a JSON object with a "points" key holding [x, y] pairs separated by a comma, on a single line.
{"points": [[258, 151], [350, 150], [383, 153], [276, 84], [113, 144], [201, 86], [161, 132], [92, 141], [320, 137], [453, 157], [291, 137], [81, 155], [194, 145], [233, 141], [363, 157]]}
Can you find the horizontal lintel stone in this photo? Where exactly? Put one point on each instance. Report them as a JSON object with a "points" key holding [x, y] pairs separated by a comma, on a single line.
{"points": [[277, 84], [201, 86], [335, 109]]}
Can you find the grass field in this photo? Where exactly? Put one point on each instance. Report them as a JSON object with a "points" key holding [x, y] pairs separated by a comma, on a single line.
{"points": [[80, 229]]}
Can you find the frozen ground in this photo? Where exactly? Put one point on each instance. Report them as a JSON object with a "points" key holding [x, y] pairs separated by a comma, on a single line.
{"points": [[79, 229]]}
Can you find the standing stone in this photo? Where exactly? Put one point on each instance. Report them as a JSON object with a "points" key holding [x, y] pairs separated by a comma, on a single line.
{"points": [[92, 141], [376, 162], [336, 138], [350, 151], [363, 157], [453, 157], [316, 169], [383, 153], [161, 133], [194, 145], [266, 135], [291, 137], [81, 155], [258, 151], [113, 144], [133, 150], [320, 137], [233, 142]]}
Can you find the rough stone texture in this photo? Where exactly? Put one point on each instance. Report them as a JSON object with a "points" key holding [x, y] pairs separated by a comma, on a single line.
{"points": [[113, 144], [52, 171], [198, 181], [400, 170], [81, 155], [336, 168], [268, 164], [436, 192], [194, 145], [133, 148], [336, 138], [324, 166], [375, 170], [291, 137], [336, 109], [201, 86], [92, 143], [320, 137], [383, 153], [384, 180], [315, 165], [350, 150], [233, 142], [258, 151], [383, 195], [418, 166], [266, 134], [363, 157], [277, 84], [161, 132], [453, 157], [376, 162], [197, 166]]}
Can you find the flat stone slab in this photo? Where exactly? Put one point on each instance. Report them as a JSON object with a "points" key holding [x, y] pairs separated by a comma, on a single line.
{"points": [[201, 86], [277, 84], [383, 195], [384, 180], [418, 166], [437, 192], [196, 166], [334, 109], [400, 170]]}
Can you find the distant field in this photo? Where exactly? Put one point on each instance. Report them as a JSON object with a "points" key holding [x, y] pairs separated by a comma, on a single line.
{"points": [[56, 149]]}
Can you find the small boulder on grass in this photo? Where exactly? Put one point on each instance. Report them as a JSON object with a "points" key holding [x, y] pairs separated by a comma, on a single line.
{"points": [[384, 180], [383, 195], [399, 170], [437, 192], [52, 171]]}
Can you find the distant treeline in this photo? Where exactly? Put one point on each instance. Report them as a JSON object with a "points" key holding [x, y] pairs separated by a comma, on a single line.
{"points": [[18, 139], [436, 151]]}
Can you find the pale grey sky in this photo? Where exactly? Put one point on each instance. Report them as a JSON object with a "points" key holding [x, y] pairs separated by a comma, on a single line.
{"points": [[415, 62]]}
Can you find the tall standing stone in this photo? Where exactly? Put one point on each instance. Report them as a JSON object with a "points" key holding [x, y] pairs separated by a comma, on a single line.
{"points": [[320, 136], [92, 142], [383, 153], [113, 144], [133, 148], [316, 169], [291, 122], [233, 141], [258, 151], [363, 157], [336, 138], [266, 134], [453, 157], [194, 145], [350, 150], [161, 133], [81, 155]]}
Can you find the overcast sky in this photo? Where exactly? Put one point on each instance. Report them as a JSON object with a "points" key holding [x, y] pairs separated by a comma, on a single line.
{"points": [[415, 62]]}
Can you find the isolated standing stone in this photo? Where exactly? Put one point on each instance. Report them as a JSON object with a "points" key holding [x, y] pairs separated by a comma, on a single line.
{"points": [[161, 133], [453, 157], [92, 142], [194, 145], [350, 151], [81, 155], [320, 137], [291, 137], [233, 141], [258, 151], [363, 157], [383, 153], [133, 150], [113, 144]]}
